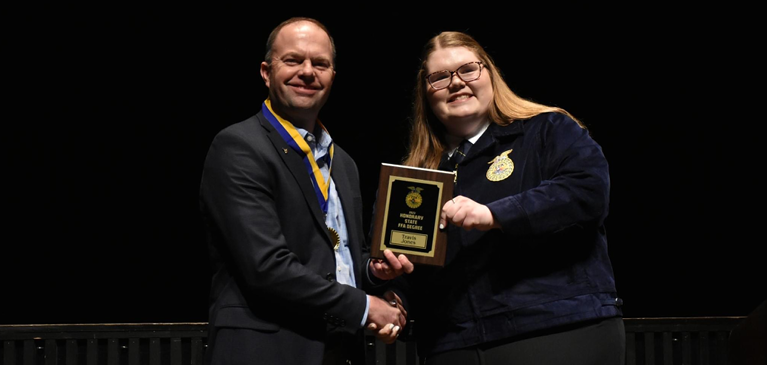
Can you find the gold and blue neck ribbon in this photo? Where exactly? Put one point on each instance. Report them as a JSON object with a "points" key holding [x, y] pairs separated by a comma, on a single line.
{"points": [[293, 138]]}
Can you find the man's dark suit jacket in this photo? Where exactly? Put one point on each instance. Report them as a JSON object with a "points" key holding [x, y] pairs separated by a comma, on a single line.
{"points": [[273, 287]]}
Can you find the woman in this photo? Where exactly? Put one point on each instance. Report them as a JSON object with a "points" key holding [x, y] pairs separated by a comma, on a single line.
{"points": [[527, 278]]}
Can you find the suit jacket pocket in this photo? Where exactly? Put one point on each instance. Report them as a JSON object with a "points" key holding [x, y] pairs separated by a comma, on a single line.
{"points": [[242, 317]]}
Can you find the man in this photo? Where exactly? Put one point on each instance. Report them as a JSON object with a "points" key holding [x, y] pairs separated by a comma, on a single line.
{"points": [[282, 208]]}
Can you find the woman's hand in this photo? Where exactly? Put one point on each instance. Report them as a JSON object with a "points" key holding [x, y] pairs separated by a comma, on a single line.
{"points": [[467, 214]]}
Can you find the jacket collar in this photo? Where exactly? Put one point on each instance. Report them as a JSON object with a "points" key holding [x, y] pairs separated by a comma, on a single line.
{"points": [[295, 165], [492, 136]]}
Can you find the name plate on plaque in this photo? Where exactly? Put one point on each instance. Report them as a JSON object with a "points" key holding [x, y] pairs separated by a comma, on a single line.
{"points": [[408, 206]]}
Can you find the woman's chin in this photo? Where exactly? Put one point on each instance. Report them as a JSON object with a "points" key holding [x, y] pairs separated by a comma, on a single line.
{"points": [[463, 124]]}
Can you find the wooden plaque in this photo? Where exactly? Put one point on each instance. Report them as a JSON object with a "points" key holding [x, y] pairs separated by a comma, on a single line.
{"points": [[408, 206]]}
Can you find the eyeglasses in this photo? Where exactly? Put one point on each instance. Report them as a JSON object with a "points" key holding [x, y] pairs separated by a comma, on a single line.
{"points": [[468, 73]]}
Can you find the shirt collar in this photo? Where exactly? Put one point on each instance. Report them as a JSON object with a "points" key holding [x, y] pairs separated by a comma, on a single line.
{"points": [[473, 139], [324, 139]]}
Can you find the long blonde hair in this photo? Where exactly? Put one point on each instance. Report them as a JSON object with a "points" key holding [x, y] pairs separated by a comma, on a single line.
{"points": [[427, 134]]}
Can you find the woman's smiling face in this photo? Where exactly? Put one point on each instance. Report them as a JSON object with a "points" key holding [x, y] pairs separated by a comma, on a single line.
{"points": [[463, 106]]}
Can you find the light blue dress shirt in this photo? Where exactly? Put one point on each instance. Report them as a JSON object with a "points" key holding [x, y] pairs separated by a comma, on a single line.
{"points": [[335, 216]]}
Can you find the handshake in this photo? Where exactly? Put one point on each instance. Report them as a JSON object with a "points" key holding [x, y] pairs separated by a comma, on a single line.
{"points": [[386, 314]]}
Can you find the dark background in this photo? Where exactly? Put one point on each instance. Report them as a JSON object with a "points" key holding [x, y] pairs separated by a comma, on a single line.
{"points": [[109, 113]]}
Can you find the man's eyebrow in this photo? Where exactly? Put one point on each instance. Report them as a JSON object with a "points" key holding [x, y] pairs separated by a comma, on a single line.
{"points": [[321, 59], [315, 59], [291, 54]]}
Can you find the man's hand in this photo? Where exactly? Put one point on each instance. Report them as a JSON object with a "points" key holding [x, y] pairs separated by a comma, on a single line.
{"points": [[389, 332], [467, 214], [392, 267]]}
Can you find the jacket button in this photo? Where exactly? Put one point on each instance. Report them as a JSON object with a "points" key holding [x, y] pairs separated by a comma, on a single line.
{"points": [[330, 277]]}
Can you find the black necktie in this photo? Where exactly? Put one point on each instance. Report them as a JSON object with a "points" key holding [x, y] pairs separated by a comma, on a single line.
{"points": [[460, 152]]}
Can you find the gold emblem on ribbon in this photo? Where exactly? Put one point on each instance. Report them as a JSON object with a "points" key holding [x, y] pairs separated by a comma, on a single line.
{"points": [[501, 167], [335, 237], [414, 199]]}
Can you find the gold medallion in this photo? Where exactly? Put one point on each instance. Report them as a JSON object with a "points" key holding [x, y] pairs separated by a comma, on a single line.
{"points": [[501, 167], [414, 198], [335, 237]]}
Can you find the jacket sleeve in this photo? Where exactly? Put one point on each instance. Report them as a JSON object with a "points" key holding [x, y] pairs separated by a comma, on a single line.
{"points": [[574, 187]]}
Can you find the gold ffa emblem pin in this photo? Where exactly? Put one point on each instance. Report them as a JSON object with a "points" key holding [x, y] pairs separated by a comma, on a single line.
{"points": [[501, 167], [413, 199], [335, 237]]}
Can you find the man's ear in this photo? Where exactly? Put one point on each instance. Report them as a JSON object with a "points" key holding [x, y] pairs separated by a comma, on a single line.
{"points": [[265, 70]]}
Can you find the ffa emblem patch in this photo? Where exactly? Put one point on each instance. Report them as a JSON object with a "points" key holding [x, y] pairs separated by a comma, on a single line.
{"points": [[501, 167]]}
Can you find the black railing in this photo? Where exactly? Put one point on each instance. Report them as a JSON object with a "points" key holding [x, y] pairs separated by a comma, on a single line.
{"points": [[696, 340], [110, 344], [649, 341]]}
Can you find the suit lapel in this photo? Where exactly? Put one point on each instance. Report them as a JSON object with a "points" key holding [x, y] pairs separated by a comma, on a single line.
{"points": [[296, 166]]}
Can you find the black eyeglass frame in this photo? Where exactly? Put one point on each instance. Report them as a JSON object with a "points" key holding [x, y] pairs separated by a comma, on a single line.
{"points": [[481, 66]]}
